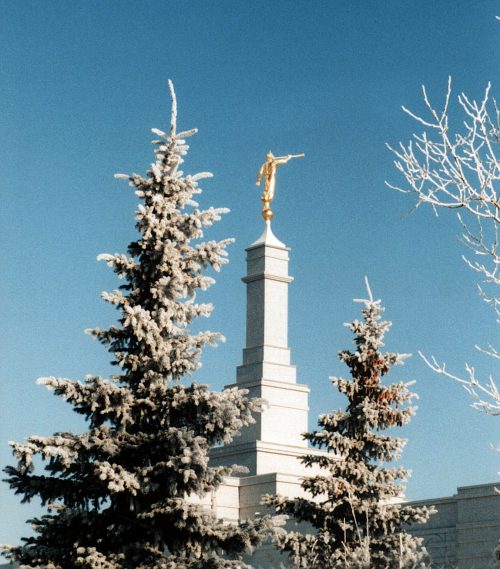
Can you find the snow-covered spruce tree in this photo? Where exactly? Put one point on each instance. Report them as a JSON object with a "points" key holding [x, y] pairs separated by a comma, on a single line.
{"points": [[353, 503], [119, 494]]}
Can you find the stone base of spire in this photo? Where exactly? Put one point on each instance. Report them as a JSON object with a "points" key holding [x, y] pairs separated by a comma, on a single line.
{"points": [[261, 458], [283, 419]]}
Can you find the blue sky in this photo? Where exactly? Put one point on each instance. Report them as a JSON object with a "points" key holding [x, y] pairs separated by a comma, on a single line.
{"points": [[82, 84]]}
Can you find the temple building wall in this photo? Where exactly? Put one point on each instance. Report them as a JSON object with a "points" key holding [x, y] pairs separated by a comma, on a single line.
{"points": [[465, 531]]}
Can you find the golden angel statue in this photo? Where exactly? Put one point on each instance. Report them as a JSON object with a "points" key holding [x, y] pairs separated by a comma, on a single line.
{"points": [[268, 171]]}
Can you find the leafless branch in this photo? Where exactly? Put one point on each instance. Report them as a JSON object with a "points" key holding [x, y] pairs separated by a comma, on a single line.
{"points": [[462, 171]]}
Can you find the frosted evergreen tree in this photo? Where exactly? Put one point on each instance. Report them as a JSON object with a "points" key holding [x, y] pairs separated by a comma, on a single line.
{"points": [[122, 495], [353, 503]]}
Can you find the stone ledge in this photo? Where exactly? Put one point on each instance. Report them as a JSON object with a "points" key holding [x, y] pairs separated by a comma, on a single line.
{"points": [[269, 383], [274, 448], [266, 276]]}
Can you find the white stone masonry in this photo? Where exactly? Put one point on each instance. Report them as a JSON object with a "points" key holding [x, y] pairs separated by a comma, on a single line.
{"points": [[275, 441], [271, 449]]}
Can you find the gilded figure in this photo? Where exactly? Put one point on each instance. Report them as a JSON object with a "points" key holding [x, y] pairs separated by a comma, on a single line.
{"points": [[268, 172]]}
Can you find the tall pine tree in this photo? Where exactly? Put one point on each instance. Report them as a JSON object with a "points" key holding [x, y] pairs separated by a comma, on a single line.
{"points": [[119, 493], [353, 503]]}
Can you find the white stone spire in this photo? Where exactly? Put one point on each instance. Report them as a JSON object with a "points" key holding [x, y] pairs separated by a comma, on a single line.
{"points": [[274, 442], [266, 352], [273, 447], [268, 238]]}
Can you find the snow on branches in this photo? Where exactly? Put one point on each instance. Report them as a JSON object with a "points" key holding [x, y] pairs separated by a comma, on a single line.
{"points": [[460, 170], [353, 501], [119, 493]]}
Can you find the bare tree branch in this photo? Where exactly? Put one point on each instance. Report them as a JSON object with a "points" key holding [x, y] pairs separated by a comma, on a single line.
{"points": [[462, 171]]}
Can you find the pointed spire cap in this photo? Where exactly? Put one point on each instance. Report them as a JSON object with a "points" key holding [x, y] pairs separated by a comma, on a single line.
{"points": [[268, 238]]}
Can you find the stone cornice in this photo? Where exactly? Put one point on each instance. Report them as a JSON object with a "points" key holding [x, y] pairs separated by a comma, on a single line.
{"points": [[268, 276], [303, 388]]}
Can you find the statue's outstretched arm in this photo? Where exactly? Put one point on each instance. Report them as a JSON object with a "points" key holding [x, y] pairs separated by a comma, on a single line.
{"points": [[285, 159], [282, 159]]}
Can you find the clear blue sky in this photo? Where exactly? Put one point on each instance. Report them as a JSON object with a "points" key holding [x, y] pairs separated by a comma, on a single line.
{"points": [[82, 83]]}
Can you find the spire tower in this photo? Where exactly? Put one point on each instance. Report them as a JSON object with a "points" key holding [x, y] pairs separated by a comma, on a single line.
{"points": [[274, 442], [271, 449]]}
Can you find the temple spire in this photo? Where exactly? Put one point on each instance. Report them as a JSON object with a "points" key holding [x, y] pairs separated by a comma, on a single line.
{"points": [[274, 442]]}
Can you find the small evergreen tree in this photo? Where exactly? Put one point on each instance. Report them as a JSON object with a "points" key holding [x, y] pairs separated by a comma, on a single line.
{"points": [[119, 494], [353, 504]]}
